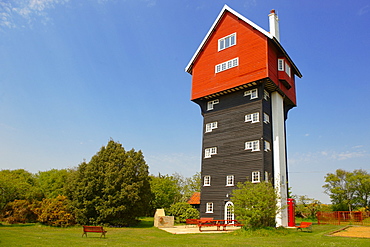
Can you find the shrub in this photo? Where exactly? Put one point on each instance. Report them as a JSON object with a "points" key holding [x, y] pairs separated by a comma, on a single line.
{"points": [[179, 210], [56, 212], [20, 211]]}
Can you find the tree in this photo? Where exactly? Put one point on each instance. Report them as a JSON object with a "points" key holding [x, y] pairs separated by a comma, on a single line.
{"points": [[255, 204], [165, 190], [348, 190], [18, 185], [307, 207], [113, 188], [52, 182], [182, 211]]}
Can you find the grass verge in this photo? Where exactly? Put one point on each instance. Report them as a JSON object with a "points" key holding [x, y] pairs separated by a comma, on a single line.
{"points": [[147, 235]]}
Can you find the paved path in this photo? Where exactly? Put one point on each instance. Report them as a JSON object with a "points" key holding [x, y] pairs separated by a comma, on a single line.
{"points": [[195, 229]]}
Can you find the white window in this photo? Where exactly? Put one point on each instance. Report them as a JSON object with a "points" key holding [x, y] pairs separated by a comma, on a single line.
{"points": [[254, 117], [211, 126], [256, 177], [266, 118], [227, 65], [208, 152], [207, 181], [226, 42], [266, 146], [230, 180], [209, 207], [281, 64], [284, 66], [253, 93], [266, 95], [287, 69], [211, 103], [253, 145]]}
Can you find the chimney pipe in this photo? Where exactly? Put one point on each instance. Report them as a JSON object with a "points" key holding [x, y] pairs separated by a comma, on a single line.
{"points": [[274, 25]]}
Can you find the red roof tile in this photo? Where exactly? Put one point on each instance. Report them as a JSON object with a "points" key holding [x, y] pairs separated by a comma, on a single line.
{"points": [[195, 198]]}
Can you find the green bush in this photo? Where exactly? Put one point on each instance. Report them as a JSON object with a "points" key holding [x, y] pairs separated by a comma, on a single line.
{"points": [[182, 211]]}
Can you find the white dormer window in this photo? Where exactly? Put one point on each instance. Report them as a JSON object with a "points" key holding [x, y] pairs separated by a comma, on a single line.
{"points": [[211, 126], [284, 66], [252, 93], [266, 118], [253, 145], [211, 103], [254, 117], [208, 152], [226, 42], [227, 65]]}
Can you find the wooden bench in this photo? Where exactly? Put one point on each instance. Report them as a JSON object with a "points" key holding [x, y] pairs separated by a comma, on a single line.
{"points": [[305, 225], [98, 229], [191, 222], [217, 223]]}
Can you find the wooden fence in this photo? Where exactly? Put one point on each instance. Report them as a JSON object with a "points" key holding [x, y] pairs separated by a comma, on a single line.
{"points": [[343, 218]]}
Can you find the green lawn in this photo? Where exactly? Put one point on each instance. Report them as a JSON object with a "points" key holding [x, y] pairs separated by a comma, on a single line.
{"points": [[147, 235]]}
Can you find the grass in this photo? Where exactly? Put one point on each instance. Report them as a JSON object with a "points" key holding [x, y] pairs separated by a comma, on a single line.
{"points": [[147, 235]]}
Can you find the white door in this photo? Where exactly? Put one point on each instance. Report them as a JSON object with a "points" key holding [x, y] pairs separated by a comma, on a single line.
{"points": [[229, 211]]}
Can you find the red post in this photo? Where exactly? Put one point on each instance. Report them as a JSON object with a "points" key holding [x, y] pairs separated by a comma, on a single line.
{"points": [[291, 212]]}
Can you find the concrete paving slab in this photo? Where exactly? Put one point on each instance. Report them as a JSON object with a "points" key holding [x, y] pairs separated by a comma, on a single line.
{"points": [[195, 229]]}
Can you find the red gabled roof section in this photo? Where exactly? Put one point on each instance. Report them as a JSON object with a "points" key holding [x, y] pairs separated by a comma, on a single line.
{"points": [[194, 199], [254, 57]]}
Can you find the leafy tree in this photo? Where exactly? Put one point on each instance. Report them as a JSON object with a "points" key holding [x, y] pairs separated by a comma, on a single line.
{"points": [[306, 207], [18, 185], [255, 204], [52, 182], [165, 190], [348, 190], [113, 188]]}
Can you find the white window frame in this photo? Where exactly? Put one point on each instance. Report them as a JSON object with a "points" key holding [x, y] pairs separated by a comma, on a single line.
{"points": [[211, 103], [266, 146], [253, 117], [284, 66], [256, 177], [207, 180], [266, 95], [253, 145], [230, 180], [211, 126], [231, 42], [287, 69], [208, 152], [227, 65], [266, 118], [281, 63], [253, 93], [209, 207]]}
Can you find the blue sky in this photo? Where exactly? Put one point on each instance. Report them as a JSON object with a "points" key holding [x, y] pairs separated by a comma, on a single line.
{"points": [[74, 74]]}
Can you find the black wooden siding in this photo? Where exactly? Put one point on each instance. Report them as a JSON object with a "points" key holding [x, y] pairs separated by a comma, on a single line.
{"points": [[230, 138]]}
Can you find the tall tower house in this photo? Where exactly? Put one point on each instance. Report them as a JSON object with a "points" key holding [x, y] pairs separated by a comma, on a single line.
{"points": [[244, 82]]}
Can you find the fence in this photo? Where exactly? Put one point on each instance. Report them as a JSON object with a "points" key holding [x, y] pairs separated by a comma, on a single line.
{"points": [[343, 217]]}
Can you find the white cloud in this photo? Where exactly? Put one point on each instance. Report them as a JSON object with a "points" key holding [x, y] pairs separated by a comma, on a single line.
{"points": [[364, 10], [28, 10]]}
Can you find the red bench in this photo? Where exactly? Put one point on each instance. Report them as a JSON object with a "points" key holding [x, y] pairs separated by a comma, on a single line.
{"points": [[218, 224], [191, 222], [305, 225], [98, 229]]}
